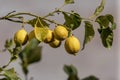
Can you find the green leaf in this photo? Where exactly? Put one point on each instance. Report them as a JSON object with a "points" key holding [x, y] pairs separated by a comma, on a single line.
{"points": [[106, 30], [30, 46], [111, 20], [72, 21], [70, 70], [30, 54], [69, 1], [103, 21], [24, 66], [40, 33], [40, 30], [34, 55], [10, 74], [106, 37], [1, 69], [8, 43], [89, 33], [100, 8], [91, 78], [33, 22], [113, 26]]}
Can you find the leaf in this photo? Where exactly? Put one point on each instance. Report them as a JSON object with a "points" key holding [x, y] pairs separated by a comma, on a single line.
{"points": [[40, 30], [106, 30], [8, 43], [10, 74], [30, 54], [72, 21], [100, 8], [113, 26], [106, 37], [40, 33], [24, 66], [33, 22], [69, 1], [70, 70], [34, 55], [30, 46], [89, 33], [91, 78], [1, 69], [103, 21], [111, 19]]}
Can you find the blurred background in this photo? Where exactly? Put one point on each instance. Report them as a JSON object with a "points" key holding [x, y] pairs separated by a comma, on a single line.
{"points": [[93, 60]]}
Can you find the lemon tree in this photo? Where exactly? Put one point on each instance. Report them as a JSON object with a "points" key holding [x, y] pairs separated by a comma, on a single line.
{"points": [[27, 46]]}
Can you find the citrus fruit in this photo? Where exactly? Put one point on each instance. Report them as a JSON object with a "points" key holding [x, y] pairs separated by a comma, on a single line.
{"points": [[49, 36], [72, 45], [60, 32], [55, 43], [21, 37], [31, 35]]}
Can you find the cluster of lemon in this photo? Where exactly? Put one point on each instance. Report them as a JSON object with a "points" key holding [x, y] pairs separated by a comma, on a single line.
{"points": [[53, 38]]}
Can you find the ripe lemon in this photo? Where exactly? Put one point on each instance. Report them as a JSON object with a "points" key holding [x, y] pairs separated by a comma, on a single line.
{"points": [[49, 36], [72, 45], [31, 35], [60, 33], [21, 37], [55, 43]]}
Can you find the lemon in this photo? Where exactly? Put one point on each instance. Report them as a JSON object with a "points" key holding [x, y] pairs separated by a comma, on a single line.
{"points": [[31, 35], [60, 32], [72, 45], [49, 36], [21, 37], [55, 43]]}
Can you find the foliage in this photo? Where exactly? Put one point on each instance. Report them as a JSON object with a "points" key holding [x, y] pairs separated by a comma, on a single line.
{"points": [[72, 73], [31, 52]]}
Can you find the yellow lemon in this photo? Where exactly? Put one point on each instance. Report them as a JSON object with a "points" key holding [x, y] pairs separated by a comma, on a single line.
{"points": [[55, 43], [60, 33], [31, 35], [21, 37], [72, 45], [49, 36]]}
